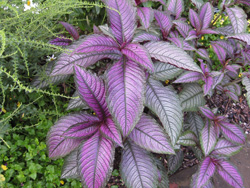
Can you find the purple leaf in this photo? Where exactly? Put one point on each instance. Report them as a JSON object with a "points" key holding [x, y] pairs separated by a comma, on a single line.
{"points": [[220, 52], [175, 162], [138, 54], [227, 30], [164, 102], [95, 161], [181, 44], [182, 27], [109, 130], [60, 41], [69, 169], [208, 85], [96, 30], [208, 138], [232, 95], [122, 19], [187, 139], [134, 167], [194, 20], [246, 83], [206, 15], [176, 7], [83, 129], [245, 37], [205, 172], [207, 112], [191, 97], [125, 82], [232, 132], [207, 31], [230, 174], [238, 19], [191, 35], [188, 76], [226, 148], [106, 31], [165, 22], [209, 184], [165, 71], [146, 16], [143, 1], [169, 53], [144, 36], [71, 29], [198, 3], [76, 103], [65, 63], [96, 43], [203, 53], [58, 145], [149, 135], [92, 91], [246, 2]]}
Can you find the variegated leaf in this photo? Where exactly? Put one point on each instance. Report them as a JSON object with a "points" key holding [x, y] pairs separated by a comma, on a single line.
{"points": [[208, 138], [169, 53], [187, 138], [195, 20], [125, 82], [227, 30], [191, 97], [69, 169], [198, 3], [146, 16], [176, 7], [245, 37], [145, 36], [134, 167], [175, 162], [196, 123], [206, 15], [165, 71], [166, 104], [226, 148], [95, 161], [76, 103], [165, 22], [149, 135], [238, 19], [188, 76], [182, 27]]}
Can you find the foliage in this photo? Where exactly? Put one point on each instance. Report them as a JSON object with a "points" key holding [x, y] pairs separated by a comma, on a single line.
{"points": [[133, 109]]}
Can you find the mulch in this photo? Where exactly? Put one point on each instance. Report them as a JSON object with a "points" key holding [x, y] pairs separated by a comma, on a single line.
{"points": [[236, 112]]}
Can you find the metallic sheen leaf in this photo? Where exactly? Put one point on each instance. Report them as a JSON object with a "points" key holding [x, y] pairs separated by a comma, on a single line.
{"points": [[226, 148], [196, 123], [176, 7], [175, 162], [245, 37], [187, 138], [71, 29], [69, 169], [146, 16], [76, 103]]}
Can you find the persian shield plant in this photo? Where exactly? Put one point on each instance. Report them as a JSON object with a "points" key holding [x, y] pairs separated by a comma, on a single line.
{"points": [[151, 97]]}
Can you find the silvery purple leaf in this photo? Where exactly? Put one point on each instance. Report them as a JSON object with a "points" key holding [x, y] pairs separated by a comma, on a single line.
{"points": [[208, 85], [232, 132], [217, 80], [208, 138], [71, 29], [182, 27], [176, 7], [65, 62], [220, 52], [60, 41], [144, 36], [164, 102], [203, 53], [125, 83], [92, 91], [208, 31], [227, 30], [69, 169], [192, 34], [207, 112], [181, 44], [173, 34], [95, 161], [76, 103], [238, 19], [83, 129], [229, 48], [246, 2], [109, 131], [146, 16], [134, 167], [188, 77], [96, 30], [198, 3], [196, 123], [143, 1], [58, 145], [232, 95], [245, 37], [96, 43], [226, 148], [44, 79], [198, 153], [246, 83], [175, 162], [149, 135], [138, 54], [169, 53], [206, 15], [230, 174], [209, 183], [106, 31], [187, 138], [165, 71], [205, 172], [165, 22], [191, 97], [122, 19], [195, 20]]}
